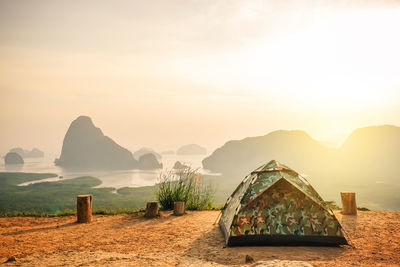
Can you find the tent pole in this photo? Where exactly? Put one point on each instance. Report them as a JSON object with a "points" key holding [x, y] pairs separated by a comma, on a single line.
{"points": [[220, 212]]}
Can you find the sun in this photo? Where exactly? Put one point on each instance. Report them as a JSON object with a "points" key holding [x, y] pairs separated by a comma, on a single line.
{"points": [[348, 61]]}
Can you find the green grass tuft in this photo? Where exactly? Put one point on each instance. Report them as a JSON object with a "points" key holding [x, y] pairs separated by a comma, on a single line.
{"points": [[185, 185]]}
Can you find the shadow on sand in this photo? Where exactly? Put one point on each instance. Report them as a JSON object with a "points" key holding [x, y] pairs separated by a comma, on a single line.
{"points": [[210, 247], [41, 229]]}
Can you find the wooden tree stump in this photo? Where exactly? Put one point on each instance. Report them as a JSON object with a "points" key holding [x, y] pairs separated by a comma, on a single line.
{"points": [[84, 208], [349, 203], [151, 209], [179, 208]]}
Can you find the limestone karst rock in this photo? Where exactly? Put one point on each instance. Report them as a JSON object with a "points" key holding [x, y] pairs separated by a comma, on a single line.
{"points": [[179, 166], [149, 162], [13, 158], [145, 150], [86, 147]]}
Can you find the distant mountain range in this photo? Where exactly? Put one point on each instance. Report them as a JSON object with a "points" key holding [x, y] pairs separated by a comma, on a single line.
{"points": [[367, 162], [369, 149]]}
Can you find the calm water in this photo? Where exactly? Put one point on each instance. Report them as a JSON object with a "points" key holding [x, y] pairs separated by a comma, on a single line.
{"points": [[116, 179]]}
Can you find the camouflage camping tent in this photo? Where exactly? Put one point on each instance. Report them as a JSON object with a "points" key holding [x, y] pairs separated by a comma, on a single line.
{"points": [[274, 205]]}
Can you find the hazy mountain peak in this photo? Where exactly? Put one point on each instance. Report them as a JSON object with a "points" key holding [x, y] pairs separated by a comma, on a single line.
{"points": [[381, 140], [372, 133], [289, 133], [84, 118], [191, 149], [85, 146], [81, 121]]}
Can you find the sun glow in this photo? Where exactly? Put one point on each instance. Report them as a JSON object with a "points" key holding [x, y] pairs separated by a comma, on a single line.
{"points": [[348, 61], [326, 67]]}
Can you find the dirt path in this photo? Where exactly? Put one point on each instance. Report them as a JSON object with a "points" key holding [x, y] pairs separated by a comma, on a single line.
{"points": [[190, 240]]}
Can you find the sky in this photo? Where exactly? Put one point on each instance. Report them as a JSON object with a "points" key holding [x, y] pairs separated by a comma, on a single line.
{"points": [[162, 74]]}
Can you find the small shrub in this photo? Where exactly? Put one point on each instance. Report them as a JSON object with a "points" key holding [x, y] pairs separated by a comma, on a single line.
{"points": [[363, 209], [212, 207], [332, 205], [185, 185]]}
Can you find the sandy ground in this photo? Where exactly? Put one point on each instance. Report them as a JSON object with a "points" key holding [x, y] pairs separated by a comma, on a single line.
{"points": [[189, 240]]}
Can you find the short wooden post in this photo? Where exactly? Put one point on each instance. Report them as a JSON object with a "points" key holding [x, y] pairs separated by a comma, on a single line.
{"points": [[349, 203], [151, 209], [84, 208], [179, 208]]}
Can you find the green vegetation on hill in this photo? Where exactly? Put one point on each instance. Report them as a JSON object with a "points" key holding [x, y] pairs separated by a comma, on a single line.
{"points": [[53, 197], [15, 178], [59, 198]]}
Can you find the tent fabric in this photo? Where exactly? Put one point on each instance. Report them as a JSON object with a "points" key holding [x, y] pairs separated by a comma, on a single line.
{"points": [[274, 205]]}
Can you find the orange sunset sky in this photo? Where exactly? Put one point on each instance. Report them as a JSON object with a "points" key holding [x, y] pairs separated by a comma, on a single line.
{"points": [[166, 73]]}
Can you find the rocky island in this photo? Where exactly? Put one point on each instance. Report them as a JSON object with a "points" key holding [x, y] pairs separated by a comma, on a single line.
{"points": [[13, 158], [149, 162], [145, 150], [86, 147]]}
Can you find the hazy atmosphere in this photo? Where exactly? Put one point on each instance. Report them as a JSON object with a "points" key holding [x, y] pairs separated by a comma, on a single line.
{"points": [[169, 132], [167, 73]]}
